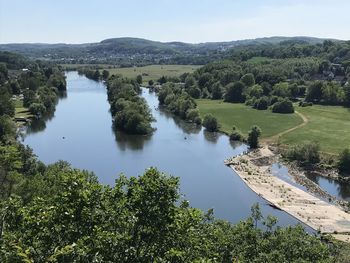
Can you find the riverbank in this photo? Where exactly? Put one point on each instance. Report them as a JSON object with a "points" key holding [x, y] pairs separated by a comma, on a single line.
{"points": [[254, 169]]}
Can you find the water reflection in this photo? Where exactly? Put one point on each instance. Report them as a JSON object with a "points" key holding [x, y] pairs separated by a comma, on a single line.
{"points": [[130, 142], [38, 125], [62, 94], [338, 189], [211, 137], [186, 127]]}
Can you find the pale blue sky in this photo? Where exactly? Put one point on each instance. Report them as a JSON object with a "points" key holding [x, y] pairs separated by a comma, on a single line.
{"points": [[81, 21]]}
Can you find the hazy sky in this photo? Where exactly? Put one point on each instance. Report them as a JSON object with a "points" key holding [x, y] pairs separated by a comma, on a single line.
{"points": [[81, 21]]}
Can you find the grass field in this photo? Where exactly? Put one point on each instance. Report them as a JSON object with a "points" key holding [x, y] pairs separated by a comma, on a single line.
{"points": [[21, 112], [154, 72], [328, 125], [151, 72], [244, 117]]}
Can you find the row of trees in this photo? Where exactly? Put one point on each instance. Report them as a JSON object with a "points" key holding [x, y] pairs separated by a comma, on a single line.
{"points": [[173, 97], [308, 154], [130, 111], [93, 74], [329, 93]]}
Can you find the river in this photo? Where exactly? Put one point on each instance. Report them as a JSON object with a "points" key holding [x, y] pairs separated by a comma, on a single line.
{"points": [[80, 132]]}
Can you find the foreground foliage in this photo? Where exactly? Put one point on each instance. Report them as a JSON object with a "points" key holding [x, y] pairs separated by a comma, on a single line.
{"points": [[71, 217]]}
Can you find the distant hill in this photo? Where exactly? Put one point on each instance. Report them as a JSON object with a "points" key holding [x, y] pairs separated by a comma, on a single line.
{"points": [[136, 50]]}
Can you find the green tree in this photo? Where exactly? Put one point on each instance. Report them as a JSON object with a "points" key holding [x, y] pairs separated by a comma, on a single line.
{"points": [[234, 92], [256, 213], [347, 94], [248, 79], [314, 91], [139, 79], [217, 91], [37, 109], [3, 73], [7, 129], [283, 106], [96, 75], [210, 123], [344, 162], [253, 137], [307, 153], [281, 90], [236, 135], [7, 107], [105, 74]]}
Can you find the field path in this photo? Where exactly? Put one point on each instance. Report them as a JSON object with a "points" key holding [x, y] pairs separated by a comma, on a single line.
{"points": [[276, 136]]}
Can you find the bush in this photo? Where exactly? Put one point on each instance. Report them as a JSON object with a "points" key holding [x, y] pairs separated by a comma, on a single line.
{"points": [[236, 135], [253, 137], [234, 92], [37, 109], [262, 103], [198, 120], [344, 162], [210, 123], [306, 153], [283, 106], [192, 115]]}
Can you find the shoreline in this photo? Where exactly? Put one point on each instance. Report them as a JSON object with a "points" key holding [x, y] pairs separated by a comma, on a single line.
{"points": [[312, 211]]}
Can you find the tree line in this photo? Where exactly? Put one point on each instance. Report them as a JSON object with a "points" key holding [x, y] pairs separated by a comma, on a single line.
{"points": [[34, 84], [129, 110]]}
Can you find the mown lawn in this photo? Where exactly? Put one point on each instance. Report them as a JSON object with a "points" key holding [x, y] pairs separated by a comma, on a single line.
{"points": [[20, 111], [328, 125], [154, 72], [244, 117]]}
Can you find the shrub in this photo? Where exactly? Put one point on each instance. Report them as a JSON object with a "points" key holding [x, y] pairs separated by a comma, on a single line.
{"points": [[210, 123], [198, 120], [236, 135], [37, 109], [306, 153], [262, 103], [234, 92], [192, 115], [253, 137], [283, 106], [344, 161]]}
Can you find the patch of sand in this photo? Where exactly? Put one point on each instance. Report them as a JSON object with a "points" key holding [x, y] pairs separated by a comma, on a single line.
{"points": [[318, 214]]}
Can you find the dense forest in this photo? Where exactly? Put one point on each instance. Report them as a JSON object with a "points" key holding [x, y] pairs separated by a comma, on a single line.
{"points": [[272, 76], [35, 85]]}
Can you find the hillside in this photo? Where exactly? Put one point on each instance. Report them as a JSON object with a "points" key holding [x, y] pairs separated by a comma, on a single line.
{"points": [[141, 51]]}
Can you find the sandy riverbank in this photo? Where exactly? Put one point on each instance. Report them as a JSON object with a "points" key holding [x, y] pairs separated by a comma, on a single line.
{"points": [[318, 214]]}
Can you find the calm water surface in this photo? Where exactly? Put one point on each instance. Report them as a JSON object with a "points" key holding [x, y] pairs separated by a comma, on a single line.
{"points": [[80, 132]]}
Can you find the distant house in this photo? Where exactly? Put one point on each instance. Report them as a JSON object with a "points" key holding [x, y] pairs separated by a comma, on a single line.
{"points": [[25, 69]]}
